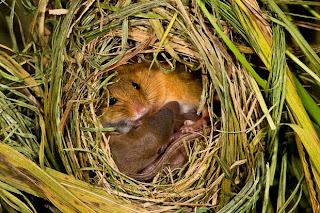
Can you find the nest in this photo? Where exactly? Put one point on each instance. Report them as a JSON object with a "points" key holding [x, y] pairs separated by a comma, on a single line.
{"points": [[102, 37], [94, 38]]}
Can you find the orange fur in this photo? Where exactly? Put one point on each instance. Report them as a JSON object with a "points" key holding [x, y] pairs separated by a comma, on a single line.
{"points": [[156, 89]]}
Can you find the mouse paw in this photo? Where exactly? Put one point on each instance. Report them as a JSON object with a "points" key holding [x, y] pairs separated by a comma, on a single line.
{"points": [[190, 126]]}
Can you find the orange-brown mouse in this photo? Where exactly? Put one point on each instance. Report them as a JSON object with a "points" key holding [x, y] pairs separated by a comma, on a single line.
{"points": [[138, 148], [137, 91]]}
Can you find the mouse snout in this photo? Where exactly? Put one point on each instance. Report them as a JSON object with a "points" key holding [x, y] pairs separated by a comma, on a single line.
{"points": [[140, 110]]}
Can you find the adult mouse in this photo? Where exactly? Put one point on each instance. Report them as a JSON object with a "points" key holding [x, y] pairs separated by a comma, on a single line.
{"points": [[138, 90]]}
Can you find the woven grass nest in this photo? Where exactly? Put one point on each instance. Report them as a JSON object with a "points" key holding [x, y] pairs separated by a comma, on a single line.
{"points": [[96, 45], [72, 57]]}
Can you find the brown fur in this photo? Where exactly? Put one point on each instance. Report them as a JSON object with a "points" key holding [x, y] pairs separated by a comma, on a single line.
{"points": [[139, 147]]}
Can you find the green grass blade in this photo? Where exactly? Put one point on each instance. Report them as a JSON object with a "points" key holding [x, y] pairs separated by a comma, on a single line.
{"points": [[232, 47], [164, 37], [255, 77], [304, 45], [311, 106], [304, 67], [282, 183]]}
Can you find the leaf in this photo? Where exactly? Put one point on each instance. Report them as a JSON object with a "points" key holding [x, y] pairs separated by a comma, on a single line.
{"points": [[10, 159], [311, 144], [15, 69], [14, 201], [65, 192], [310, 105], [245, 63], [293, 194], [303, 66], [282, 183], [307, 174], [162, 35], [304, 45]]}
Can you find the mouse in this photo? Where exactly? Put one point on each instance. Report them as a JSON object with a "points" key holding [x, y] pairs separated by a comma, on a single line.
{"points": [[138, 90], [139, 147]]}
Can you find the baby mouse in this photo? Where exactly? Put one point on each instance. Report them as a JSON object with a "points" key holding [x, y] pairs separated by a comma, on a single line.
{"points": [[138, 148], [137, 91]]}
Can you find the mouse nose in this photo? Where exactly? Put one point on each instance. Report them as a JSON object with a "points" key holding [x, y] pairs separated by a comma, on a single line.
{"points": [[142, 110]]}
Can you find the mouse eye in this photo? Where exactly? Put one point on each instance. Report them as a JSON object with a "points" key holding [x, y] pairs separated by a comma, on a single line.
{"points": [[135, 85], [112, 101]]}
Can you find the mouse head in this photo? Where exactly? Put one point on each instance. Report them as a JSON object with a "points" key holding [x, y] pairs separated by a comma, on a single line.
{"points": [[127, 102]]}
